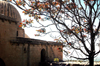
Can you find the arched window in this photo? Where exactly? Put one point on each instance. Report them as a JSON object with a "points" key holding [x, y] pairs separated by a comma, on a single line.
{"points": [[2, 62], [17, 33], [43, 55]]}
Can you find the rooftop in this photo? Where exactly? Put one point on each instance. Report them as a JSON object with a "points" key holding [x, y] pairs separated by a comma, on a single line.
{"points": [[21, 40]]}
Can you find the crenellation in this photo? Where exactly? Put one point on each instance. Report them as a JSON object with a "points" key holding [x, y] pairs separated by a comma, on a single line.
{"points": [[5, 11], [8, 10], [1, 8]]}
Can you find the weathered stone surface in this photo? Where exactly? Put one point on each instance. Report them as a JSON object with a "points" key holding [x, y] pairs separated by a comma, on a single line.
{"points": [[9, 12]]}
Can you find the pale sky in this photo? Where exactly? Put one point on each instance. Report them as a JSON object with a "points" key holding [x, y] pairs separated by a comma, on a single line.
{"points": [[31, 31]]}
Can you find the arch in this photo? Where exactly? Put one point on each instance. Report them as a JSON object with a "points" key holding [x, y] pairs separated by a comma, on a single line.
{"points": [[2, 63], [43, 55]]}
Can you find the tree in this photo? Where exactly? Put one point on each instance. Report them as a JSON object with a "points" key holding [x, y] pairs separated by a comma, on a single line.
{"points": [[77, 21]]}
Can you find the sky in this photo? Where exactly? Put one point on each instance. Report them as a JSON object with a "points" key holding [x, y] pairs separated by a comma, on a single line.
{"points": [[31, 31]]}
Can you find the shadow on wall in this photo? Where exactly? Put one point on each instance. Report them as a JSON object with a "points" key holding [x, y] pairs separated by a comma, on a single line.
{"points": [[2, 63]]}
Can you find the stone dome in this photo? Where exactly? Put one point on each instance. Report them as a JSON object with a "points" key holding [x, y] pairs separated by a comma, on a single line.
{"points": [[9, 12]]}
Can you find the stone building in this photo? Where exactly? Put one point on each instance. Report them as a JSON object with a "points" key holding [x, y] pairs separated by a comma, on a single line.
{"points": [[15, 49]]}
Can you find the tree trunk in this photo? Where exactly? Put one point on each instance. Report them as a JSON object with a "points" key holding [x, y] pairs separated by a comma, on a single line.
{"points": [[91, 60]]}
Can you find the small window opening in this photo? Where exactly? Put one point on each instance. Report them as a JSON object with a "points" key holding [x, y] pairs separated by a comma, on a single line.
{"points": [[17, 34]]}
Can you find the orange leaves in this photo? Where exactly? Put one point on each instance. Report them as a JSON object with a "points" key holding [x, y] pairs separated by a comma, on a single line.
{"points": [[80, 8], [37, 34], [74, 5], [43, 6], [84, 36], [37, 17], [29, 15], [85, 20], [25, 22], [76, 29], [66, 31], [57, 4], [57, 39], [20, 25], [47, 3], [32, 2], [68, 0], [85, 29], [61, 30], [53, 3], [9, 0], [42, 30], [71, 6], [19, 3], [68, 7], [27, 11], [86, 2], [70, 43], [23, 11], [19, 0], [38, 3], [39, 30]]}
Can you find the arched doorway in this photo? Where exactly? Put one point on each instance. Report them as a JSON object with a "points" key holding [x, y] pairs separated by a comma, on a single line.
{"points": [[2, 63], [43, 55]]}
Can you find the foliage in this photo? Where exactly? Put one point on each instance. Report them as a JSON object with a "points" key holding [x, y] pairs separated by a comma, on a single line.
{"points": [[76, 20]]}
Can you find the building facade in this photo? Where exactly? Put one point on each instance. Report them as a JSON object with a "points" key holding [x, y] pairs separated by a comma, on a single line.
{"points": [[15, 49]]}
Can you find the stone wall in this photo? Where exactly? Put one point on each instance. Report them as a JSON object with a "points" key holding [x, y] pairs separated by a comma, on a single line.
{"points": [[16, 54], [9, 20], [35, 53], [10, 54], [32, 51], [20, 32], [16, 51], [9, 11], [54, 53]]}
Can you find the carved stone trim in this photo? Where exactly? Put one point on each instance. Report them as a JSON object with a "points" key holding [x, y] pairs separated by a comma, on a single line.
{"points": [[8, 18]]}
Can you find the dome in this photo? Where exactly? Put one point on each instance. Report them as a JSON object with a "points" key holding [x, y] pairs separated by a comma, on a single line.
{"points": [[9, 12]]}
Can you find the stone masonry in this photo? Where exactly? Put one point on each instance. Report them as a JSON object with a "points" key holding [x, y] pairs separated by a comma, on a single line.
{"points": [[15, 49]]}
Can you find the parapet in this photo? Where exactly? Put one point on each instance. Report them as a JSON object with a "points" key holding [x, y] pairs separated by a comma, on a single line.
{"points": [[21, 40]]}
